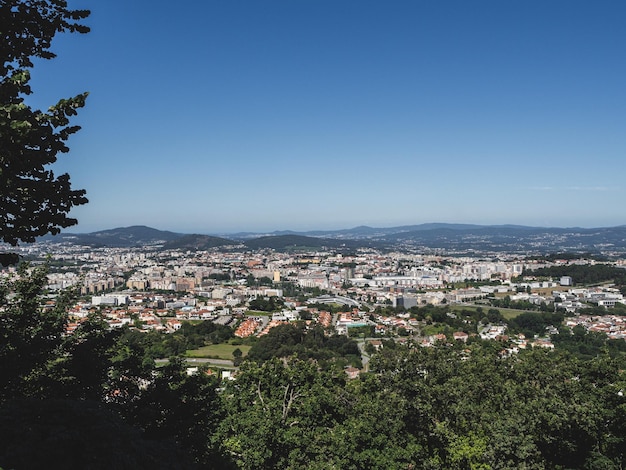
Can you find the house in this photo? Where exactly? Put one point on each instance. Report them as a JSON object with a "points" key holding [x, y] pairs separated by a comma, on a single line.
{"points": [[543, 343], [352, 372], [460, 336]]}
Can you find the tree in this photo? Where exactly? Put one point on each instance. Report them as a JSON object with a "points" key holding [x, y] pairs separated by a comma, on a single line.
{"points": [[281, 414], [30, 339], [79, 434], [33, 200], [237, 356], [185, 408]]}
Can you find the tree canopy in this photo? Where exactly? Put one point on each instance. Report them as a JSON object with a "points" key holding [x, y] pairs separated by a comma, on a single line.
{"points": [[33, 200]]}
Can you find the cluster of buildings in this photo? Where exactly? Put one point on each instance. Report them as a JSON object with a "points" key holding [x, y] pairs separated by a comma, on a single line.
{"points": [[613, 326], [158, 289]]}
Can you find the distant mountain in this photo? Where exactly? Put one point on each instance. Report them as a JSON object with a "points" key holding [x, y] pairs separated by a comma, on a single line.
{"points": [[465, 238], [298, 242], [357, 233], [461, 238], [137, 235], [198, 242], [514, 239]]}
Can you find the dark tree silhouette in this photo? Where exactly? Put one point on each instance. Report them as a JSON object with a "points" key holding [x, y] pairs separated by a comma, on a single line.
{"points": [[33, 200]]}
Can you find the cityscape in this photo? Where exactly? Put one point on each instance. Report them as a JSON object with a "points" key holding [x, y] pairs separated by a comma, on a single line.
{"points": [[154, 287], [161, 320], [312, 235]]}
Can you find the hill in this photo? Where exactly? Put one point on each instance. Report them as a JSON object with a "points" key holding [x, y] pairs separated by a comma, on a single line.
{"points": [[197, 242], [136, 235], [299, 243], [461, 238], [514, 239]]}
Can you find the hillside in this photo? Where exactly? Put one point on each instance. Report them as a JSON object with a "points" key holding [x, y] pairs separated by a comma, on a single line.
{"points": [[197, 242], [462, 238], [299, 242], [137, 235]]}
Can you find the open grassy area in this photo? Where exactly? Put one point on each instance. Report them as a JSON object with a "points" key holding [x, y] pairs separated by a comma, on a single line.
{"points": [[219, 351], [507, 313], [429, 330]]}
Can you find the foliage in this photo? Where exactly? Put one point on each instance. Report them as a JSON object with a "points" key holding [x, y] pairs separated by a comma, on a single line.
{"points": [[78, 434], [31, 340], [252, 281], [458, 407], [506, 302], [288, 340], [429, 408], [534, 323], [179, 406], [464, 319], [86, 366], [271, 304], [330, 307], [33, 201], [220, 276], [156, 345], [54, 381], [582, 274], [279, 415], [536, 410], [587, 344], [361, 331], [290, 289], [196, 242]]}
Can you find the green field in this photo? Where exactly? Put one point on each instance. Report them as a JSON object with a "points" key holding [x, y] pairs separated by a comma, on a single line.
{"points": [[507, 313], [429, 330], [218, 351]]}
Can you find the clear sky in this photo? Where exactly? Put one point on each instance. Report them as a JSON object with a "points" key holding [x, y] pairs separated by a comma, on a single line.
{"points": [[212, 116]]}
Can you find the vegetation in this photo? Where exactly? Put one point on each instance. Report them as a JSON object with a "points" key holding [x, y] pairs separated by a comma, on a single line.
{"points": [[191, 336], [451, 406], [298, 243], [330, 307], [289, 340], [583, 274], [534, 323], [569, 256], [197, 242], [506, 302], [95, 399], [33, 201], [271, 304], [220, 277], [587, 344], [218, 351]]}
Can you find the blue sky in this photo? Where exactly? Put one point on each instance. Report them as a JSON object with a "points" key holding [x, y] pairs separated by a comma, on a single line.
{"points": [[213, 116]]}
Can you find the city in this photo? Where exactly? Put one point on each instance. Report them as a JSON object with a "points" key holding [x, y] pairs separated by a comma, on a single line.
{"points": [[154, 288], [388, 236]]}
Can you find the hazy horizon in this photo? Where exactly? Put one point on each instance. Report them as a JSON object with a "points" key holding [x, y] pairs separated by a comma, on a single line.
{"points": [[74, 230]]}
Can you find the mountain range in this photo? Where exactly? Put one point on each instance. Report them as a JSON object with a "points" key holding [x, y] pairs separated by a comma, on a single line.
{"points": [[460, 238]]}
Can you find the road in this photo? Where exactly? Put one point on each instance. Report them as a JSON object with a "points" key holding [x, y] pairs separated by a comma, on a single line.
{"points": [[202, 360]]}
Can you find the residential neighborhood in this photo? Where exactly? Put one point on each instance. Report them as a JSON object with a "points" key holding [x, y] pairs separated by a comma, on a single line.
{"points": [[369, 291]]}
